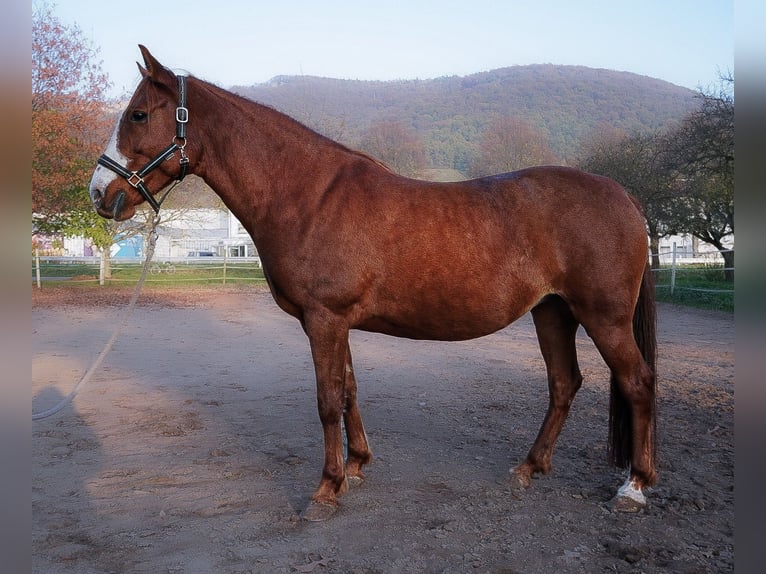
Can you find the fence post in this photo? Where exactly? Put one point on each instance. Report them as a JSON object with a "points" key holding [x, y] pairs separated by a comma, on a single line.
{"points": [[224, 265], [673, 271], [37, 267]]}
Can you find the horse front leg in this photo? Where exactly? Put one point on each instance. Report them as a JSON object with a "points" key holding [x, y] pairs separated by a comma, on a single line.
{"points": [[328, 338], [359, 452]]}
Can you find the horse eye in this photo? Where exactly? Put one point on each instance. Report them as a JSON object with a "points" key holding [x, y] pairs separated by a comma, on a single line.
{"points": [[138, 116]]}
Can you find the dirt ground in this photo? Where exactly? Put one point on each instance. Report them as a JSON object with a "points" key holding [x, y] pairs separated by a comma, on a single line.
{"points": [[197, 445]]}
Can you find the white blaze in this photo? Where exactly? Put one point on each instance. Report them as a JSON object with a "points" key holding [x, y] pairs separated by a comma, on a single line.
{"points": [[103, 176]]}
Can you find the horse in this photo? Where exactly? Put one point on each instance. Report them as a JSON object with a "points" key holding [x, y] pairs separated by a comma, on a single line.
{"points": [[346, 243]]}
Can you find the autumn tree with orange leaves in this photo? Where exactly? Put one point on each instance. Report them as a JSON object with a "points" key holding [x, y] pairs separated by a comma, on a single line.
{"points": [[69, 127]]}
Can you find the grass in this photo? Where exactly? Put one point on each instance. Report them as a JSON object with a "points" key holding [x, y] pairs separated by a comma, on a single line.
{"points": [[700, 286], [183, 273]]}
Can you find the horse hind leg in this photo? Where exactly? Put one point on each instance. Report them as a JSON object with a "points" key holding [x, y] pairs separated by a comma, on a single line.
{"points": [[358, 450], [632, 411], [556, 331]]}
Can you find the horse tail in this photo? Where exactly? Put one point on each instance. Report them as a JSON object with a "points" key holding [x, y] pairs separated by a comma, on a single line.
{"points": [[620, 417]]}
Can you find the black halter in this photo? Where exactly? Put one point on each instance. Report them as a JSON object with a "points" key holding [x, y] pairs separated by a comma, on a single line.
{"points": [[136, 178]]}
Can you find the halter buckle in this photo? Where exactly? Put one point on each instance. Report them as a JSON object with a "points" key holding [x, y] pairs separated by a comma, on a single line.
{"points": [[135, 180], [182, 115]]}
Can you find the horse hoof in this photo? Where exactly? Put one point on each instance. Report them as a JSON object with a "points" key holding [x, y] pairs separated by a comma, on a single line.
{"points": [[319, 511], [629, 498], [519, 481], [354, 481], [627, 505]]}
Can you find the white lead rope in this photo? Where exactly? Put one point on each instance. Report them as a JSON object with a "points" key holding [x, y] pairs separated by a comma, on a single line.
{"points": [[118, 329]]}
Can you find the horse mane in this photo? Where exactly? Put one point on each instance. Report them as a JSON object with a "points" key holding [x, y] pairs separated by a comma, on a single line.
{"points": [[363, 155], [246, 102]]}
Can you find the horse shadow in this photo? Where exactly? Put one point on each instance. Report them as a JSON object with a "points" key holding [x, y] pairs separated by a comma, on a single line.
{"points": [[65, 454]]}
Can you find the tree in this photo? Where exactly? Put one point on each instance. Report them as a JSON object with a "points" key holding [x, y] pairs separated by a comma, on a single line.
{"points": [[68, 121], [700, 155], [71, 121], [635, 161], [69, 128], [511, 143], [399, 147]]}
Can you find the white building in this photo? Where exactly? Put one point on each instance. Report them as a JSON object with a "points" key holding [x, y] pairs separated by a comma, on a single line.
{"points": [[215, 232], [689, 249], [203, 232], [182, 233]]}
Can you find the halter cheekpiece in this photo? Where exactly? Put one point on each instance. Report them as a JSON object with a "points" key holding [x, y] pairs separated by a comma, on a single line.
{"points": [[136, 178]]}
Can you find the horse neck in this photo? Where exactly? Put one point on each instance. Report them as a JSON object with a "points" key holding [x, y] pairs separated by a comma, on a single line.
{"points": [[259, 161]]}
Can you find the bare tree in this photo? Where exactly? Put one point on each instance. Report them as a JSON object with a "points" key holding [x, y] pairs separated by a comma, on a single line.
{"points": [[700, 155], [396, 145], [636, 162], [511, 143]]}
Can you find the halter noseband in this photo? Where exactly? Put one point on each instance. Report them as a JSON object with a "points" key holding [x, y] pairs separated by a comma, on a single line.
{"points": [[136, 178]]}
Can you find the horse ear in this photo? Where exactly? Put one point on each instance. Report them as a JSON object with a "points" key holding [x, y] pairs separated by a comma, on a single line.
{"points": [[153, 70]]}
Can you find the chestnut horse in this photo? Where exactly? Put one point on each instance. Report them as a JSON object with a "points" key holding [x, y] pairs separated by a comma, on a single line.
{"points": [[348, 244]]}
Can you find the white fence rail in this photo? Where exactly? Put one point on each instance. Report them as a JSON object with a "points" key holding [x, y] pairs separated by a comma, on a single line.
{"points": [[160, 270], [163, 269], [683, 261]]}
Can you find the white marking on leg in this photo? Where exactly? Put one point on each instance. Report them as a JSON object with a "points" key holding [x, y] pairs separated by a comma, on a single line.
{"points": [[102, 176], [630, 490]]}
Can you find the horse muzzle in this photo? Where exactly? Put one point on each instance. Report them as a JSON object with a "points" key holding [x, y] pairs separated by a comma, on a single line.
{"points": [[113, 211], [118, 204]]}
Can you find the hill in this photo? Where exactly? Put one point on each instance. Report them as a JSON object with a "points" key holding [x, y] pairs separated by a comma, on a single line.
{"points": [[566, 102]]}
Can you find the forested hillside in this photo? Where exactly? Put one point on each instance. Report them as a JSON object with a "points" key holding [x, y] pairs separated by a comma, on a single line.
{"points": [[567, 103]]}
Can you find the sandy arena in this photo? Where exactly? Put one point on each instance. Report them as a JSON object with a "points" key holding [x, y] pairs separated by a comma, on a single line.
{"points": [[196, 446]]}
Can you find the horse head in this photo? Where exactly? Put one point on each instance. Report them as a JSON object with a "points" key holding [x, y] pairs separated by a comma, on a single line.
{"points": [[150, 132]]}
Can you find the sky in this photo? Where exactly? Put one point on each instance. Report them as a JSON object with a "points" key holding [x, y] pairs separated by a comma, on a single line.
{"points": [[243, 42]]}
